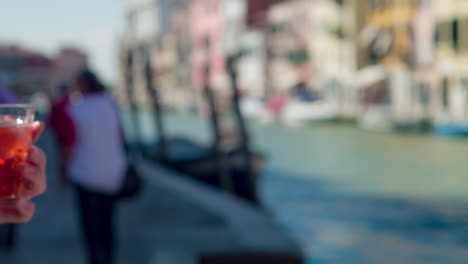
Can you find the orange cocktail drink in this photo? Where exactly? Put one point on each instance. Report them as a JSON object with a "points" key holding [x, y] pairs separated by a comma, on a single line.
{"points": [[15, 141]]}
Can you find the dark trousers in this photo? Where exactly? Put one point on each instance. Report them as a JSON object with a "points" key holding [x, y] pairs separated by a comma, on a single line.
{"points": [[7, 236], [96, 211]]}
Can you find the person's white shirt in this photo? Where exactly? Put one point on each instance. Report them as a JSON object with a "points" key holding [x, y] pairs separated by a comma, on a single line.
{"points": [[98, 160]]}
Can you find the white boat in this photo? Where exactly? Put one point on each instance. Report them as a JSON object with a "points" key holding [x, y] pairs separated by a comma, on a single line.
{"points": [[255, 109], [298, 113], [252, 108], [376, 119], [451, 128]]}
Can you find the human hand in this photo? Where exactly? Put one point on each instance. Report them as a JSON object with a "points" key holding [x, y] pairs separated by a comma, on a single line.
{"points": [[22, 209]]}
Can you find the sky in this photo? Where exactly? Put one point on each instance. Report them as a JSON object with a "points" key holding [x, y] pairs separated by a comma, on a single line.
{"points": [[47, 25]]}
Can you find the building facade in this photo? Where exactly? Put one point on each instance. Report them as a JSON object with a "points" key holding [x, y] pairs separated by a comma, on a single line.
{"points": [[451, 59], [25, 72]]}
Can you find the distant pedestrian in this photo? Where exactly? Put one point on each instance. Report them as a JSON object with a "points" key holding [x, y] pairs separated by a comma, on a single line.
{"points": [[7, 96], [96, 163], [58, 112], [59, 122]]}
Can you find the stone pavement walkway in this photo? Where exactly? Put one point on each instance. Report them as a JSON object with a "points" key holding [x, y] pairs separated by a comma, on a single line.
{"points": [[150, 228], [172, 222]]}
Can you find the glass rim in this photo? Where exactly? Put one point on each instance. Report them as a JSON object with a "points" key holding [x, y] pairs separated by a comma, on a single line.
{"points": [[17, 105]]}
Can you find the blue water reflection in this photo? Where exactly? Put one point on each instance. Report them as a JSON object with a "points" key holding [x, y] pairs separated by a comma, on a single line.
{"points": [[355, 197], [351, 228]]}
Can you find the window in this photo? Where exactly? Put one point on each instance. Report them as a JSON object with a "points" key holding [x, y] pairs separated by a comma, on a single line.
{"points": [[373, 5], [208, 9], [455, 34], [463, 34], [445, 91], [444, 33], [423, 91]]}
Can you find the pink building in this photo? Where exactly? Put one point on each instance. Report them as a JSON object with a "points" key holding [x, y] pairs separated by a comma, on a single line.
{"points": [[206, 24]]}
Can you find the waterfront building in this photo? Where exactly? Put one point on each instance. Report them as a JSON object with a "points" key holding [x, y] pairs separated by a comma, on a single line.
{"points": [[315, 42], [149, 31], [386, 40], [24, 71], [451, 59]]}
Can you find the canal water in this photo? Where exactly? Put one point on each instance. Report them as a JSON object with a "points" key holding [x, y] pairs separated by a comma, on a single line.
{"points": [[351, 196]]}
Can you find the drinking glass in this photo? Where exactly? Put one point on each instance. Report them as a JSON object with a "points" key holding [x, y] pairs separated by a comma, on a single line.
{"points": [[16, 131]]}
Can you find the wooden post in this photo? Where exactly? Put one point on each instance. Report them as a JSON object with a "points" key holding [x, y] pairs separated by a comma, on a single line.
{"points": [[242, 129], [152, 90], [130, 89], [222, 163]]}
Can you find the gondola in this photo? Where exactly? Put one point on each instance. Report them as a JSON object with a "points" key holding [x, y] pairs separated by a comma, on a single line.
{"points": [[236, 169]]}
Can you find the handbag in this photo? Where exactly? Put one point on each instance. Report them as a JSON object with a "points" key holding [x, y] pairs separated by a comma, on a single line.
{"points": [[132, 184]]}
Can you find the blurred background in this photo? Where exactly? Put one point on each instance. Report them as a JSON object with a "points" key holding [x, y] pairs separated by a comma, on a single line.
{"points": [[337, 125]]}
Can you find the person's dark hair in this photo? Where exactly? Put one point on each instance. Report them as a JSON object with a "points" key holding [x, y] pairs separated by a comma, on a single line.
{"points": [[62, 89], [89, 78]]}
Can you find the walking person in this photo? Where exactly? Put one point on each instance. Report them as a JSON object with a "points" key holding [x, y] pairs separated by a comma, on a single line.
{"points": [[96, 164], [59, 122]]}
